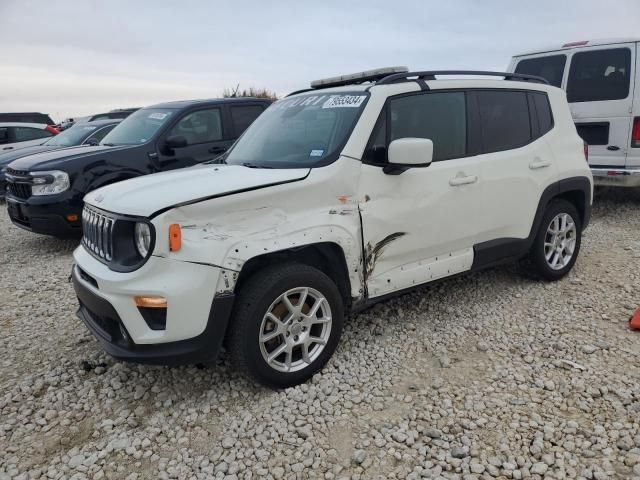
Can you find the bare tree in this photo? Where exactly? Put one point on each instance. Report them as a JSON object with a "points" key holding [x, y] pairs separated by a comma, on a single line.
{"points": [[250, 92]]}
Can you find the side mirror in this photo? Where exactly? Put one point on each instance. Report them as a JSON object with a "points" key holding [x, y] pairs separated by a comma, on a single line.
{"points": [[93, 142], [175, 141], [406, 153]]}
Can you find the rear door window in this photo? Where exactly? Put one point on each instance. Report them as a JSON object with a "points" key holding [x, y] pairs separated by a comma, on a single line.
{"points": [[599, 75], [550, 68], [243, 116], [24, 134], [4, 135], [504, 119]]}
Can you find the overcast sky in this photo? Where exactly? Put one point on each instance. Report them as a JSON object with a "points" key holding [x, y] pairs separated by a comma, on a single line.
{"points": [[77, 57]]}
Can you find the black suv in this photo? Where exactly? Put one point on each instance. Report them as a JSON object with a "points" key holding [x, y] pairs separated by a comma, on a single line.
{"points": [[45, 191]]}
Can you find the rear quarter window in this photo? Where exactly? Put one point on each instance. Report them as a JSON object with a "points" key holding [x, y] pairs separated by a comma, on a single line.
{"points": [[540, 103]]}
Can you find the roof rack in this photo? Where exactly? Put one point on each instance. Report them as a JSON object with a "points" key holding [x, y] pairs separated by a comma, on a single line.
{"points": [[388, 75], [431, 75]]}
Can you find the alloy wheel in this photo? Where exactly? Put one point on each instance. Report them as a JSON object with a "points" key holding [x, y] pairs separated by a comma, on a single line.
{"points": [[295, 329]]}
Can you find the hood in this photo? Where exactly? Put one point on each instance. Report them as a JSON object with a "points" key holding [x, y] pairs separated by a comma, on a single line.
{"points": [[7, 158], [151, 194], [57, 159]]}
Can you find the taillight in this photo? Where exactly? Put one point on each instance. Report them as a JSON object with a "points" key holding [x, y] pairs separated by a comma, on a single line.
{"points": [[635, 134], [52, 129], [585, 149]]}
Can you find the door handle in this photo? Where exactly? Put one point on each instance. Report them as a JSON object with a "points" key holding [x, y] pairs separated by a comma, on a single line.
{"points": [[613, 148], [217, 149], [539, 163], [462, 179], [8, 148]]}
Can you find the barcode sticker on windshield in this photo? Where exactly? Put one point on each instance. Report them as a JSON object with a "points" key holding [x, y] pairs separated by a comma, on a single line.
{"points": [[344, 101], [158, 116]]}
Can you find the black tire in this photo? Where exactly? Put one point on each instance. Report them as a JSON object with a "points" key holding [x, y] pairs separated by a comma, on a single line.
{"points": [[252, 304], [537, 260]]}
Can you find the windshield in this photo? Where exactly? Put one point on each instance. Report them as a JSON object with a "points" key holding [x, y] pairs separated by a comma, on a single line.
{"points": [[303, 131], [72, 136], [139, 127]]}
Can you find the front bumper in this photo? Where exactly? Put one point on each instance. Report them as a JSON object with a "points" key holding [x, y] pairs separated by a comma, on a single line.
{"points": [[196, 320], [46, 215], [616, 177]]}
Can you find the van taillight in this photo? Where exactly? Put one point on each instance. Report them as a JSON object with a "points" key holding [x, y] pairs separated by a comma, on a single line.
{"points": [[581, 43], [635, 134]]}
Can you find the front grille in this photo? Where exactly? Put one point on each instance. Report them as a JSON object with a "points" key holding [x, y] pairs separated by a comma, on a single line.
{"points": [[97, 233], [17, 189]]}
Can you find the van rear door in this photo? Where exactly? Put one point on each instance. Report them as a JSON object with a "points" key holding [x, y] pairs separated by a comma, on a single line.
{"points": [[599, 85]]}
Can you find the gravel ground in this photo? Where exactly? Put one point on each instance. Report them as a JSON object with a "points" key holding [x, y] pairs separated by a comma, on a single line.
{"points": [[488, 375]]}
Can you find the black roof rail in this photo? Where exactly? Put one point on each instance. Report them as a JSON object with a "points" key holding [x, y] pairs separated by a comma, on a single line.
{"points": [[300, 91], [431, 75]]}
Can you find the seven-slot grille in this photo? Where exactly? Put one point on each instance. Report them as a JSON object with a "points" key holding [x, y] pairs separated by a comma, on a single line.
{"points": [[97, 230], [19, 189]]}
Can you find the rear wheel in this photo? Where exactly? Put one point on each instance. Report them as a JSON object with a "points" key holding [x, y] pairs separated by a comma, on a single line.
{"points": [[557, 243], [286, 324]]}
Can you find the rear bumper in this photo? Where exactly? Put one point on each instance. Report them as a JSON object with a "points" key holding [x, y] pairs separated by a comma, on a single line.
{"points": [[616, 177]]}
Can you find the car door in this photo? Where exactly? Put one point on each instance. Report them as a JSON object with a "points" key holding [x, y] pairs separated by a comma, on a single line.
{"points": [[516, 161], [421, 224], [600, 94], [204, 133]]}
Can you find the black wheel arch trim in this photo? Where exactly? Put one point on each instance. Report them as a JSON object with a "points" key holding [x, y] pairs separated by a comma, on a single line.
{"points": [[504, 250]]}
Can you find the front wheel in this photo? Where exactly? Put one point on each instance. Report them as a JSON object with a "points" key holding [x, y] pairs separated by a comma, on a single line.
{"points": [[286, 324], [557, 243]]}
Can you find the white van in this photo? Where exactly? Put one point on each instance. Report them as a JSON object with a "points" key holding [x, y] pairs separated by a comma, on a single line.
{"points": [[602, 82]]}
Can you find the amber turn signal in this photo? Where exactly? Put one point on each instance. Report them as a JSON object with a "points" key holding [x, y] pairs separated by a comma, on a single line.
{"points": [[151, 302], [72, 218], [175, 237]]}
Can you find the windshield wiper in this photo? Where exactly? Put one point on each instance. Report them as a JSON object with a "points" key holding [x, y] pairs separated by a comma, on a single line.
{"points": [[253, 165], [109, 144], [217, 161]]}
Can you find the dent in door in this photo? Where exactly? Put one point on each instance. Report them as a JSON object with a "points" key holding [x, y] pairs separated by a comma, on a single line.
{"points": [[372, 253]]}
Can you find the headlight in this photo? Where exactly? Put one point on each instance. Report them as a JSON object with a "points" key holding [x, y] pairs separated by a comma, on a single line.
{"points": [[143, 238], [49, 183]]}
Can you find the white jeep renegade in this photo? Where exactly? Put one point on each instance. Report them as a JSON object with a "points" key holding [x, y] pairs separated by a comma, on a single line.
{"points": [[335, 198]]}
